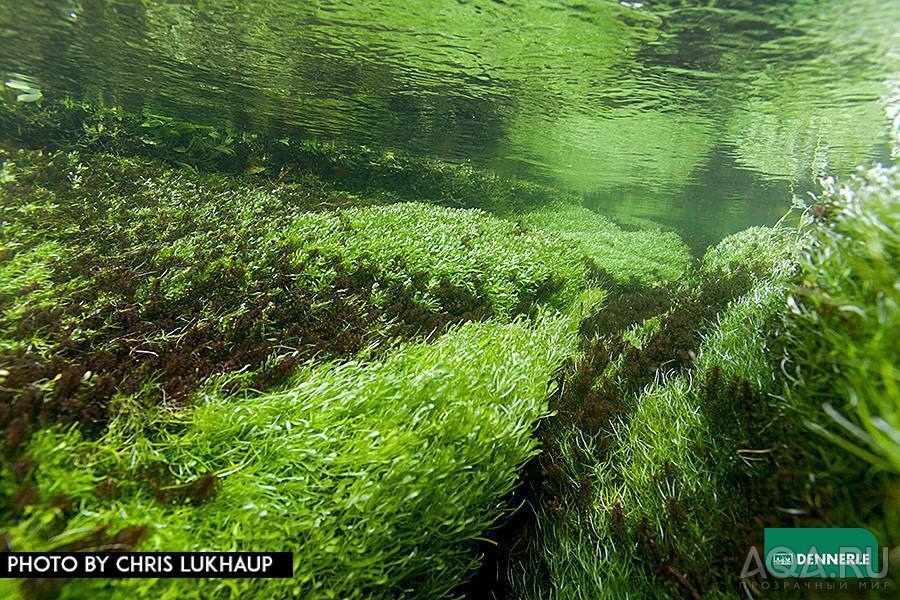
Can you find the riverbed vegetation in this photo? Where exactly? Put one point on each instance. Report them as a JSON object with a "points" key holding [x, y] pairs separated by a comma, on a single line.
{"points": [[421, 378]]}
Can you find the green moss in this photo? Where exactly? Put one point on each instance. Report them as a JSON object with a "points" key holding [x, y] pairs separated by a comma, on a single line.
{"points": [[378, 475], [649, 256]]}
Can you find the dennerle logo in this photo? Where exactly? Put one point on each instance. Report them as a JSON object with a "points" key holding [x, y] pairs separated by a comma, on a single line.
{"points": [[848, 557], [848, 562], [850, 569], [830, 553], [783, 559]]}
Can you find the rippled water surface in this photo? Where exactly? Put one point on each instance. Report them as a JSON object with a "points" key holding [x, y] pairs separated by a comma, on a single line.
{"points": [[703, 115]]}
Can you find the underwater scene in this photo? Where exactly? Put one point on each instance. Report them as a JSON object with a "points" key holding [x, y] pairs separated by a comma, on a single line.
{"points": [[475, 299]]}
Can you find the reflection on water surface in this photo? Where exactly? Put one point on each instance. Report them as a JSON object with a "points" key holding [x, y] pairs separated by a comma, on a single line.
{"points": [[704, 116]]}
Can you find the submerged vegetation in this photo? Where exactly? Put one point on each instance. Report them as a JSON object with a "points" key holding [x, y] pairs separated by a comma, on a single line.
{"points": [[646, 256], [423, 379], [378, 474], [657, 485], [377, 174], [126, 277], [844, 382]]}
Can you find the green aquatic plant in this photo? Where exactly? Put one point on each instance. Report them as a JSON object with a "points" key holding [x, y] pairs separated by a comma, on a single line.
{"points": [[259, 299], [378, 475], [648, 255], [653, 461], [843, 377], [845, 313], [699, 461], [193, 144], [226, 289], [220, 277], [768, 251]]}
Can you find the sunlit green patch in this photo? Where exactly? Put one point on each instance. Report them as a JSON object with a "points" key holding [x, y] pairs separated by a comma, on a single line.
{"points": [[648, 256], [25, 280], [378, 476], [762, 250], [467, 247], [741, 344], [639, 334]]}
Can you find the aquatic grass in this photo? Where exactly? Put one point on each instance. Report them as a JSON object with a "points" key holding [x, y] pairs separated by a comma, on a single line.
{"points": [[770, 252], [383, 460], [842, 379], [381, 470], [670, 441], [219, 277], [731, 348], [655, 508], [456, 244], [745, 341], [666, 482], [378, 475], [845, 315], [700, 462], [27, 273], [649, 256]]}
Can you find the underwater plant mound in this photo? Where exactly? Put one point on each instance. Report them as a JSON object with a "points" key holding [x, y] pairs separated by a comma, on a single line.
{"points": [[472, 300], [379, 474], [235, 361], [637, 257], [124, 277]]}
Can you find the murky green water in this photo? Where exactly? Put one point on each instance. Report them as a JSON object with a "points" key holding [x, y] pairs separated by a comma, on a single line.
{"points": [[706, 116]]}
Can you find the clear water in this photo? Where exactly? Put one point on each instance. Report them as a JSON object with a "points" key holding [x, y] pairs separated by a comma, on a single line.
{"points": [[707, 116]]}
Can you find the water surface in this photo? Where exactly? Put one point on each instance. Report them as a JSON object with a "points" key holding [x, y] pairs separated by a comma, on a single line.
{"points": [[707, 116]]}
